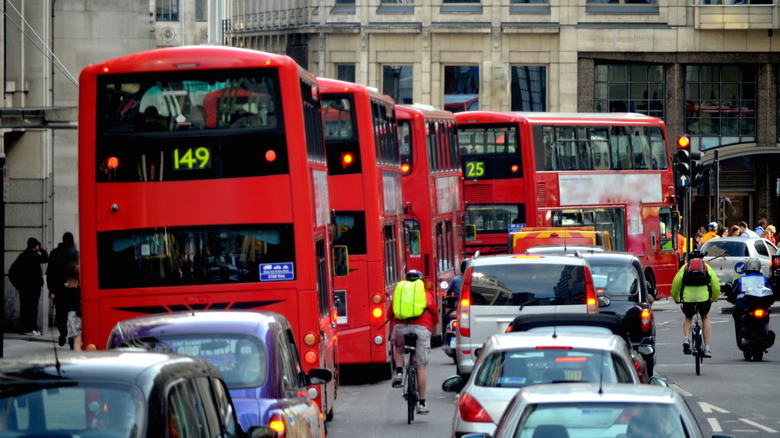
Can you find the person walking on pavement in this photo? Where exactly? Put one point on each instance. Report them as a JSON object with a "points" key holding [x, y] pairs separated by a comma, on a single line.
{"points": [[61, 257], [26, 276], [71, 303]]}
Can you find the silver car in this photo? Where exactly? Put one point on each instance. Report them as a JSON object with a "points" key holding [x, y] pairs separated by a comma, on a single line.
{"points": [[516, 360], [598, 410], [727, 256]]}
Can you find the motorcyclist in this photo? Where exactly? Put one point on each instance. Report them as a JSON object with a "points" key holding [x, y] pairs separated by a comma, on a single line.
{"points": [[753, 279]]}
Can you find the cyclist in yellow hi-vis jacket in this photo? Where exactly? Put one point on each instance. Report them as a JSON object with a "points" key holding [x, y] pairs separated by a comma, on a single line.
{"points": [[696, 286]]}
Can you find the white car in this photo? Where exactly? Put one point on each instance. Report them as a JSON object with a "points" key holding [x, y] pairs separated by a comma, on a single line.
{"points": [[727, 256], [516, 360]]}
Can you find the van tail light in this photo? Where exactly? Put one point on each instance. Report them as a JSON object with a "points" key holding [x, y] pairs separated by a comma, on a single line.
{"points": [[464, 326], [471, 411], [277, 424], [590, 293], [644, 318]]}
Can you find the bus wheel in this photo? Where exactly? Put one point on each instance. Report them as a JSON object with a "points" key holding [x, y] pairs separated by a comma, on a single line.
{"points": [[650, 278]]}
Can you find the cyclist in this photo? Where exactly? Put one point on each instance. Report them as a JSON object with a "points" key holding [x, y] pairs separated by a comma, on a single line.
{"points": [[422, 326], [695, 298]]}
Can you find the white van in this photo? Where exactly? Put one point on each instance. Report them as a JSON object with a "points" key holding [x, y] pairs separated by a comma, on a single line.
{"points": [[498, 288]]}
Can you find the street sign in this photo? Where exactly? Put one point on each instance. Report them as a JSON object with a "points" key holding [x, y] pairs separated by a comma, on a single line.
{"points": [[683, 180]]}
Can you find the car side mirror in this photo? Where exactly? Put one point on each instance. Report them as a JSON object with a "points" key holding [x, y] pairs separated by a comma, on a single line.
{"points": [[604, 301], [453, 384], [657, 381], [450, 302], [470, 233], [319, 376]]}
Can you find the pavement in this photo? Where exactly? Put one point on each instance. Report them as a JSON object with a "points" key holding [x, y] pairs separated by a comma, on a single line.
{"points": [[19, 345]]}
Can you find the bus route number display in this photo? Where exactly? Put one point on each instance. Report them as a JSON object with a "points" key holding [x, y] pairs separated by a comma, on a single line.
{"points": [[475, 169], [192, 158]]}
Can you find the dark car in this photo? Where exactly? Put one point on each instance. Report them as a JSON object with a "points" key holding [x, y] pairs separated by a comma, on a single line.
{"points": [[115, 394], [619, 280], [254, 351]]}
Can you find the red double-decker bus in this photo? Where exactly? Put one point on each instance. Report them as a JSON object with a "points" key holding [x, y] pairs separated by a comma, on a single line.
{"points": [[203, 185], [609, 171], [433, 202], [364, 179]]}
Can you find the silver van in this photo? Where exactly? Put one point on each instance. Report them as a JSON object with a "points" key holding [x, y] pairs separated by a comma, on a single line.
{"points": [[498, 288]]}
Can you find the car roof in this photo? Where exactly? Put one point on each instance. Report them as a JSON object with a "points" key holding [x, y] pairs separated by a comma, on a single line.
{"points": [[555, 248], [731, 239], [595, 392], [105, 366], [504, 259], [561, 337], [213, 321], [616, 257]]}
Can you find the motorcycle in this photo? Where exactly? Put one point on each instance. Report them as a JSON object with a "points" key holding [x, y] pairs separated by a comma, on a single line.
{"points": [[753, 335]]}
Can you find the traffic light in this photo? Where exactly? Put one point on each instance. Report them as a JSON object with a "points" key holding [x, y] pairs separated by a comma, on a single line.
{"points": [[697, 169], [684, 156]]}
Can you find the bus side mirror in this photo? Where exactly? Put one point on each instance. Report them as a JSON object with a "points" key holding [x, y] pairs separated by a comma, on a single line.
{"points": [[675, 219], [470, 233], [340, 261], [413, 237]]}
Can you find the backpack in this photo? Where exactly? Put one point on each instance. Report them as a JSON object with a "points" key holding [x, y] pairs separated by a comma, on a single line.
{"points": [[696, 273], [15, 274], [409, 299]]}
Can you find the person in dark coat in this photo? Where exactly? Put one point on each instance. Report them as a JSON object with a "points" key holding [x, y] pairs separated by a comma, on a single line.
{"points": [[64, 255], [28, 280]]}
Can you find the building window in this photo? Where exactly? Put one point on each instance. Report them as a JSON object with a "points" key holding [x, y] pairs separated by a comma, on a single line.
{"points": [[397, 82], [621, 2], [407, 2], [345, 72], [520, 2], [461, 88], [632, 88], [460, 1], [167, 10], [720, 104], [201, 10], [345, 2], [529, 88]]}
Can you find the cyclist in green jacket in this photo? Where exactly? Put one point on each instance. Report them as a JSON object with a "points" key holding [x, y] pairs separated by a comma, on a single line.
{"points": [[695, 299]]}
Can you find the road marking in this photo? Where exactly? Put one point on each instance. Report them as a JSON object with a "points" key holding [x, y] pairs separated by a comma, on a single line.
{"points": [[708, 408], [760, 426], [714, 425]]}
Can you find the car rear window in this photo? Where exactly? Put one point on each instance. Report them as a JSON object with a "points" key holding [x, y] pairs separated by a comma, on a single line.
{"points": [[713, 248], [619, 282], [242, 359], [527, 285], [518, 368]]}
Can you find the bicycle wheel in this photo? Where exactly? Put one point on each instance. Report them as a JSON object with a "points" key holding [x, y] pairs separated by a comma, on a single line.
{"points": [[697, 357], [411, 393]]}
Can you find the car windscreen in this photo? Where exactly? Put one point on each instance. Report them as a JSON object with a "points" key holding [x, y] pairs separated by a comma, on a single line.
{"points": [[533, 284], [714, 248], [46, 408], [242, 359], [618, 281], [607, 420], [523, 367]]}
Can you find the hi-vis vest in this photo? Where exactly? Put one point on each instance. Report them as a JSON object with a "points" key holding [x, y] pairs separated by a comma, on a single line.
{"points": [[409, 300]]}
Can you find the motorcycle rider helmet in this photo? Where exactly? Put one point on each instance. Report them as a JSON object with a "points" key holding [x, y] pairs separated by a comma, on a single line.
{"points": [[713, 226], [753, 264], [414, 275]]}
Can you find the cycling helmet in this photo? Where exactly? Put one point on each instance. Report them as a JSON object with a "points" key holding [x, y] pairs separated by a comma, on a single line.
{"points": [[713, 225], [414, 275], [753, 264]]}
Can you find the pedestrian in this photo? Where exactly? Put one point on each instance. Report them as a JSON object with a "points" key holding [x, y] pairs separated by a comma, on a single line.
{"points": [[744, 231], [769, 234], [734, 231], [761, 226], [697, 241], [64, 255], [71, 301], [26, 276]]}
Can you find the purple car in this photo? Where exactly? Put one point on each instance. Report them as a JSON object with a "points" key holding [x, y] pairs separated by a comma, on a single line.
{"points": [[254, 351]]}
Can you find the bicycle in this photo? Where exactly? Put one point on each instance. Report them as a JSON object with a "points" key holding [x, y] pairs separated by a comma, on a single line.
{"points": [[697, 342], [411, 393]]}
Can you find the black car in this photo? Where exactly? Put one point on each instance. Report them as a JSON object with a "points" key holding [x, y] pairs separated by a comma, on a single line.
{"points": [[620, 283], [115, 394]]}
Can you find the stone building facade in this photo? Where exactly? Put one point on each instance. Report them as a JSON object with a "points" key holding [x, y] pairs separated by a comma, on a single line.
{"points": [[710, 70]]}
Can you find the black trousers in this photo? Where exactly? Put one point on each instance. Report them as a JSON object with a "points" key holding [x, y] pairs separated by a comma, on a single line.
{"points": [[61, 318], [28, 309]]}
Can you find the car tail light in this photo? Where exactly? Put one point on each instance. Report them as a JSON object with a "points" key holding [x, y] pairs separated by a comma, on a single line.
{"points": [[639, 371], [464, 326], [775, 262], [590, 293], [645, 319], [277, 424], [471, 411]]}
